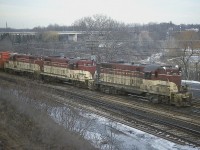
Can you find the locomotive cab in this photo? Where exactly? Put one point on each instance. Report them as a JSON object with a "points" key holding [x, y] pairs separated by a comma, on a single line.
{"points": [[163, 84]]}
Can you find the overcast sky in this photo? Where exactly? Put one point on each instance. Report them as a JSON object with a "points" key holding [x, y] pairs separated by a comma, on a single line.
{"points": [[32, 13]]}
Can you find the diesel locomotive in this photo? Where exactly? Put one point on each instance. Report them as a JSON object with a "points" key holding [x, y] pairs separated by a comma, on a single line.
{"points": [[158, 83]]}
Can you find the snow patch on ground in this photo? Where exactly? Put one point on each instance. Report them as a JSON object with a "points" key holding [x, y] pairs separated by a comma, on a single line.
{"points": [[107, 134], [130, 138], [154, 58]]}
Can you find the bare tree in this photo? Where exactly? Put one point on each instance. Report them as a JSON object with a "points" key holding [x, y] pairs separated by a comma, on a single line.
{"points": [[6, 43], [106, 33], [185, 45], [196, 66]]}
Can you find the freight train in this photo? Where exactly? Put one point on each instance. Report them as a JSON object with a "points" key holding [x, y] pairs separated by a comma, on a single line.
{"points": [[158, 83]]}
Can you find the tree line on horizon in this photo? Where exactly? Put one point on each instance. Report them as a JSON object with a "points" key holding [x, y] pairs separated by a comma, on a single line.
{"points": [[116, 41], [98, 19]]}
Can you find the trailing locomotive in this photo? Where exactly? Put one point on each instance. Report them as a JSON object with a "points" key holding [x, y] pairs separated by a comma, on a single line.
{"points": [[79, 72], [4, 56], [160, 84]]}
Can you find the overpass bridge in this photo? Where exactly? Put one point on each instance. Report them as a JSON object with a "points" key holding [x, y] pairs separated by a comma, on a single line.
{"points": [[69, 35]]}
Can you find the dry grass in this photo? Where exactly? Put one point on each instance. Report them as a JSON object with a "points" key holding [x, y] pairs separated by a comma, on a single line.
{"points": [[22, 126]]}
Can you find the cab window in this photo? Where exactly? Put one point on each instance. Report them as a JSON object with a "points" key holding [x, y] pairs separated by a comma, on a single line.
{"points": [[147, 75]]}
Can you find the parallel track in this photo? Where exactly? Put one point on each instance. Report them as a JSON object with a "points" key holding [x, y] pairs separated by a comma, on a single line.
{"points": [[171, 129], [167, 129]]}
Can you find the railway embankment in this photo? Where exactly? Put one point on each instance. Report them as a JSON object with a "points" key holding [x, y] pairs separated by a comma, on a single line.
{"points": [[26, 124]]}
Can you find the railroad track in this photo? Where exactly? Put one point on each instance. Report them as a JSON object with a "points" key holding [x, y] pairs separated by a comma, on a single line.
{"points": [[157, 126], [196, 103], [169, 129], [150, 108]]}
